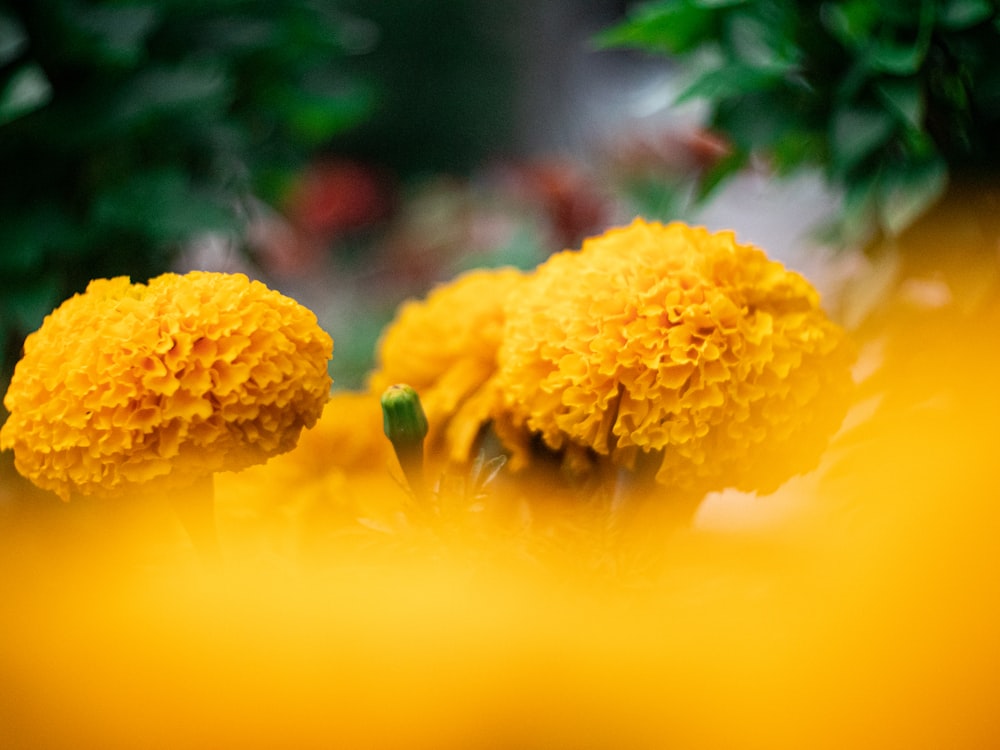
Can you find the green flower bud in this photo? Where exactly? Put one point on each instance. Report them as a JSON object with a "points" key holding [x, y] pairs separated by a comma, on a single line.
{"points": [[403, 417], [405, 425]]}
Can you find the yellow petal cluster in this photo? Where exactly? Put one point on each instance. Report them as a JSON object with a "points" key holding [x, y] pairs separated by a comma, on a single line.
{"points": [[681, 345], [171, 380], [445, 347]]}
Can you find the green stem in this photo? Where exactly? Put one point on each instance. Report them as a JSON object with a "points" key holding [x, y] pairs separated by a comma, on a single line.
{"points": [[406, 427]]}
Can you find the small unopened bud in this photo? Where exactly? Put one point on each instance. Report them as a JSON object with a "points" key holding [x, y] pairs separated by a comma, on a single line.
{"points": [[405, 425], [403, 416]]}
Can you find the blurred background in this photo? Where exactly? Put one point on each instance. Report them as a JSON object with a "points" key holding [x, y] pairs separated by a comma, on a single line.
{"points": [[349, 154]]}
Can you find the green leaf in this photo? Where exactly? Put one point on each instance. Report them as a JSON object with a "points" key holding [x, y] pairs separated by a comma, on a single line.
{"points": [[850, 85], [730, 81], [758, 121], [905, 97], [857, 132], [162, 205], [851, 23], [889, 56], [961, 14], [27, 90], [166, 90], [858, 216], [873, 32], [906, 194], [656, 196], [116, 33], [317, 113], [796, 148], [671, 26], [13, 40], [761, 40], [898, 59], [720, 172]]}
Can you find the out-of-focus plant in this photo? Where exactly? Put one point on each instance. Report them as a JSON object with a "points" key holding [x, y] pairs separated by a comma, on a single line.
{"points": [[442, 69], [891, 99], [127, 128]]}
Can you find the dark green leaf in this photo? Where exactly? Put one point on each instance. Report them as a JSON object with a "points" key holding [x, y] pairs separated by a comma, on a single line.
{"points": [[905, 97], [757, 121], [731, 80], [856, 133], [158, 91], [859, 212], [760, 40], [674, 26], [13, 40], [316, 115], [850, 85], [904, 58], [907, 193], [796, 148], [162, 205], [851, 23], [117, 34], [960, 14], [898, 59], [721, 171], [27, 90]]}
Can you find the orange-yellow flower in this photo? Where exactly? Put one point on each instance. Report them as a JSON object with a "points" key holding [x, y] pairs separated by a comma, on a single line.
{"points": [[347, 436], [680, 345], [445, 347], [170, 380], [338, 484]]}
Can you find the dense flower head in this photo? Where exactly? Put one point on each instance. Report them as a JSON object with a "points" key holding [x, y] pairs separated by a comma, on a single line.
{"points": [[445, 348], [681, 345], [170, 380]]}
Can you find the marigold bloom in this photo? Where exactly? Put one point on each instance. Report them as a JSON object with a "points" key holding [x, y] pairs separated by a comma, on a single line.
{"points": [[445, 348], [327, 493], [681, 344], [347, 436], [173, 380]]}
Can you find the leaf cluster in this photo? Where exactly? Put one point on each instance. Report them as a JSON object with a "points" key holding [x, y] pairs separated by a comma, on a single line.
{"points": [[129, 126], [889, 98]]}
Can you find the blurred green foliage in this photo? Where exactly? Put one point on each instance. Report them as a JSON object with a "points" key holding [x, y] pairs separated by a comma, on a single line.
{"points": [[890, 98], [443, 73], [128, 127]]}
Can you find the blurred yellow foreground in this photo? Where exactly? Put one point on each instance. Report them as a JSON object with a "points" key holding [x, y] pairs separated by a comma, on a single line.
{"points": [[858, 607]]}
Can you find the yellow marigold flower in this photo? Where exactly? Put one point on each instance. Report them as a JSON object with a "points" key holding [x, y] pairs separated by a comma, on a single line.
{"points": [[342, 475], [445, 348], [681, 344], [347, 436], [174, 379]]}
